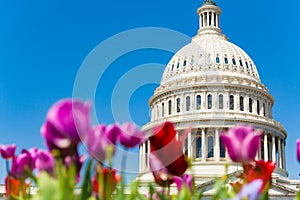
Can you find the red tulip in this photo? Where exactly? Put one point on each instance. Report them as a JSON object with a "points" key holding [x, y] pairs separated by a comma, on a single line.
{"points": [[259, 170], [13, 187], [166, 149], [110, 180]]}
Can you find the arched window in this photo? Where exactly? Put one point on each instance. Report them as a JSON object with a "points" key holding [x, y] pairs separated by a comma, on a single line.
{"points": [[226, 60], [184, 63], [172, 67], [163, 109], [198, 147], [241, 103], [258, 108], [222, 150], [210, 147], [231, 102], [178, 104], [217, 60], [264, 107], [170, 107], [221, 104], [241, 63], [198, 103], [188, 103], [250, 105], [233, 61], [209, 101], [247, 65], [178, 64]]}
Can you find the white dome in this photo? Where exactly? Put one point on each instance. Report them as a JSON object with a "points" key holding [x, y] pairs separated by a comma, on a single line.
{"points": [[210, 55]]}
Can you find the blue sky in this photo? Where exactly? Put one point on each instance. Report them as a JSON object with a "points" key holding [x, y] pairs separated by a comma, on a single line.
{"points": [[43, 44]]}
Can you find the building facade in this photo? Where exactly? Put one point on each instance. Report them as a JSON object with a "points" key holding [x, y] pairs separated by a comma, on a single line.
{"points": [[211, 84]]}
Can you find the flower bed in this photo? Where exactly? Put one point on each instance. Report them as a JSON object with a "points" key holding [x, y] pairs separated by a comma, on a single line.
{"points": [[56, 171]]}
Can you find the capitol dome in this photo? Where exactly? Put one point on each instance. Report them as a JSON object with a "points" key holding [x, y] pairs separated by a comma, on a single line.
{"points": [[211, 85], [210, 55]]}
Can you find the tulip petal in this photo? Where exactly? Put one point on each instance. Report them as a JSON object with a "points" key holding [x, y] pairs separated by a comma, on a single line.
{"points": [[298, 150]]}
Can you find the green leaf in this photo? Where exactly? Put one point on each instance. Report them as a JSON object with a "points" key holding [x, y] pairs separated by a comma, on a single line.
{"points": [[48, 188], [87, 183]]}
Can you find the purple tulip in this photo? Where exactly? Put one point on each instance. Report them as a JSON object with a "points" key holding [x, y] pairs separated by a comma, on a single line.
{"points": [[187, 180], [44, 161], [251, 191], [298, 149], [8, 151], [130, 135], [100, 138], [66, 123], [33, 152], [21, 164], [242, 143]]}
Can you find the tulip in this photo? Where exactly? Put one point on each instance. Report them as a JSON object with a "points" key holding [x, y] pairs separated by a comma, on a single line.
{"points": [[250, 191], [161, 174], [100, 138], [110, 180], [167, 149], [45, 161], [259, 170], [186, 180], [22, 165], [8, 151], [298, 150], [13, 187], [130, 136], [241, 136], [66, 123]]}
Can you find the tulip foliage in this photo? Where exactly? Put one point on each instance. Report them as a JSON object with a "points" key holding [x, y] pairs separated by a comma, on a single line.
{"points": [[58, 171]]}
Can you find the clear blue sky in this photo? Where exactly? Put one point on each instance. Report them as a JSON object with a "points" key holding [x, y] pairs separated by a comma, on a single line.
{"points": [[43, 44]]}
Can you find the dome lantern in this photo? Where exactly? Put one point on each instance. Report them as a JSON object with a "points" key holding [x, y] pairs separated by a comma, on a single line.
{"points": [[209, 17]]}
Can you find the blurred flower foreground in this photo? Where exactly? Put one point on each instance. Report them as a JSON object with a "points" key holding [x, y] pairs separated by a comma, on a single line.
{"points": [[56, 172]]}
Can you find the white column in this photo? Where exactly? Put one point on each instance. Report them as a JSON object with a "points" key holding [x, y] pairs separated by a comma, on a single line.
{"points": [[189, 144], [283, 154], [266, 147], [203, 146], [217, 20], [141, 157], [279, 153], [144, 155], [217, 145], [273, 149], [207, 19], [258, 155], [148, 150]]}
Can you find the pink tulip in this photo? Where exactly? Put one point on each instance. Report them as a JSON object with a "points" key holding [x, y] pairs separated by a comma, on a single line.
{"points": [[298, 149], [100, 138], [242, 143], [130, 136], [45, 161], [8, 151], [66, 123], [22, 165], [186, 180]]}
